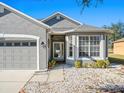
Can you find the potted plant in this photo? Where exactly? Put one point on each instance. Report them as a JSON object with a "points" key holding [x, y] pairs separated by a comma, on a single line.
{"points": [[51, 63]]}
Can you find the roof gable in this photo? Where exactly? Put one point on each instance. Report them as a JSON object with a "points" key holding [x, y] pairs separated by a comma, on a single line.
{"points": [[24, 15], [53, 21], [57, 17], [65, 24]]}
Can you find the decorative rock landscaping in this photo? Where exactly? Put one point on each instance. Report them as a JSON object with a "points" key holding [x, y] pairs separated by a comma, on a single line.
{"points": [[81, 80]]}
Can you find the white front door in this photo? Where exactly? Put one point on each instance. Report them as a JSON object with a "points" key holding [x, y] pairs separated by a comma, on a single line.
{"points": [[58, 51]]}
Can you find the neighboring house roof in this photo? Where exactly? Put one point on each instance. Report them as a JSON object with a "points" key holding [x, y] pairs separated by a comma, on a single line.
{"points": [[64, 16], [119, 40], [24, 15]]}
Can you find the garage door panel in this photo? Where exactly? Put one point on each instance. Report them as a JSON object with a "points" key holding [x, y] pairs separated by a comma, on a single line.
{"points": [[8, 66], [1, 65], [8, 60], [20, 58]]}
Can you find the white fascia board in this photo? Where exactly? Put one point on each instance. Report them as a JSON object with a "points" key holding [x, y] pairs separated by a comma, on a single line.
{"points": [[25, 16], [62, 32], [2, 35]]}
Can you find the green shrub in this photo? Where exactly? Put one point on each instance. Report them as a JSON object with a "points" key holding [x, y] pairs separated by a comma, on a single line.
{"points": [[89, 65], [77, 64], [107, 63], [102, 63], [97, 64], [93, 65], [51, 63]]}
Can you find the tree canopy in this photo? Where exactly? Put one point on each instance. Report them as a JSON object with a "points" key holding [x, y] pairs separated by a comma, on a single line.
{"points": [[118, 29], [87, 3]]}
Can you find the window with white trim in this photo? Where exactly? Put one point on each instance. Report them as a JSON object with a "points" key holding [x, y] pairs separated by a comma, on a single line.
{"points": [[95, 46], [70, 46], [89, 46], [83, 46]]}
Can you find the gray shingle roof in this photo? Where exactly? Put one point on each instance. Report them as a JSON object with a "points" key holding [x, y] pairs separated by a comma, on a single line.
{"points": [[85, 27], [89, 28], [82, 28]]}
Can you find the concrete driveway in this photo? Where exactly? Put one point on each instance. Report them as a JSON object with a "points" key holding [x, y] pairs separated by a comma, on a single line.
{"points": [[13, 81]]}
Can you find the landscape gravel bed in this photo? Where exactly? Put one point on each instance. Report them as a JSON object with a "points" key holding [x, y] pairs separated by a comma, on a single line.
{"points": [[82, 80]]}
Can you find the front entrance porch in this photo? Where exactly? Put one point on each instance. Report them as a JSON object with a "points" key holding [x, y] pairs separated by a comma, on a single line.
{"points": [[58, 48], [71, 47]]}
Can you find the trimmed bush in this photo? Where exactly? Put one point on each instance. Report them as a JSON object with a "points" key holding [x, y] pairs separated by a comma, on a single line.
{"points": [[77, 64], [97, 64], [102, 63], [94, 65], [89, 65]]}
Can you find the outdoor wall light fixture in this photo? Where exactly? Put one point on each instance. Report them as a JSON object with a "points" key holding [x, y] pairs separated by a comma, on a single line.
{"points": [[43, 44]]}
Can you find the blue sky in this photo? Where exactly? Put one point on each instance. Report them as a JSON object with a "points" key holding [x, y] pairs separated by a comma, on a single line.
{"points": [[111, 11]]}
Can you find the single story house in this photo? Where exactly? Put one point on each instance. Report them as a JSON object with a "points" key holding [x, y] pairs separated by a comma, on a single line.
{"points": [[28, 44], [118, 47]]}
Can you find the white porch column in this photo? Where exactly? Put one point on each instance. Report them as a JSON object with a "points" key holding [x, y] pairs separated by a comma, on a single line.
{"points": [[103, 47], [73, 42], [38, 54], [66, 41]]}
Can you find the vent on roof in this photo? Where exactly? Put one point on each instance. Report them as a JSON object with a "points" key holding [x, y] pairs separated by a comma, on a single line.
{"points": [[58, 17], [1, 9]]}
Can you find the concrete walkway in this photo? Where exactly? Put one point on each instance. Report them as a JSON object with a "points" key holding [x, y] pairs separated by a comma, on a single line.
{"points": [[13, 81], [53, 75]]}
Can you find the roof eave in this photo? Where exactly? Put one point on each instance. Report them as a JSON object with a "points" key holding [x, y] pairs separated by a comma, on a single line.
{"points": [[92, 31]]}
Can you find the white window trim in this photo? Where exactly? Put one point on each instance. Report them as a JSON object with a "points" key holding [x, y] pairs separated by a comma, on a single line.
{"points": [[73, 43], [60, 46], [86, 58]]}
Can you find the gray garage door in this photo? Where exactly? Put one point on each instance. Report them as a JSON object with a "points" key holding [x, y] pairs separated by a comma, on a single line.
{"points": [[18, 55]]}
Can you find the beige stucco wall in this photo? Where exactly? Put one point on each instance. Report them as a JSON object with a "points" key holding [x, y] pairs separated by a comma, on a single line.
{"points": [[118, 48]]}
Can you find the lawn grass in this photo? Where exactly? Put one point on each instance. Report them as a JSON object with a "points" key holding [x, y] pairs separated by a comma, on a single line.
{"points": [[114, 58]]}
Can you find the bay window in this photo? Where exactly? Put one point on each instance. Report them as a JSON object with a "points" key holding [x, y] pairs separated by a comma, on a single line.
{"points": [[89, 46]]}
